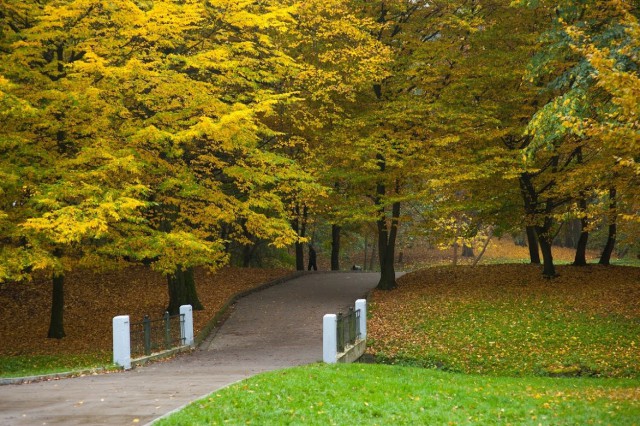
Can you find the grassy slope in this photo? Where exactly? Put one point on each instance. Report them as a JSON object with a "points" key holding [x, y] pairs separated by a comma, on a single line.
{"points": [[385, 395], [508, 320]]}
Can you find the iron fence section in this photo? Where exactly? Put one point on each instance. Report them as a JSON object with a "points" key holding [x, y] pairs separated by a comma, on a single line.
{"points": [[154, 335], [348, 328]]}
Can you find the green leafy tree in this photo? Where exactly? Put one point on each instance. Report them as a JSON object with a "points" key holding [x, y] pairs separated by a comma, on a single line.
{"points": [[570, 132], [409, 142]]}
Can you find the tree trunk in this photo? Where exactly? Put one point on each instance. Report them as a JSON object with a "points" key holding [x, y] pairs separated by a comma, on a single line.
{"points": [[581, 248], [529, 196], [605, 257], [467, 251], [299, 249], [366, 248], [250, 247], [387, 232], [484, 247], [182, 291], [56, 325], [455, 253], [247, 254], [532, 242], [300, 226], [583, 239], [386, 236], [387, 271], [372, 258], [549, 270], [299, 256], [545, 240], [542, 233], [386, 248], [573, 231], [335, 247]]}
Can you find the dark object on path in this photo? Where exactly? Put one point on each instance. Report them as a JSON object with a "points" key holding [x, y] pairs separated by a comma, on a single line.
{"points": [[356, 268], [312, 259]]}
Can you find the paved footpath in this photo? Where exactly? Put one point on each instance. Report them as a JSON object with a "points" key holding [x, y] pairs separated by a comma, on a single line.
{"points": [[275, 328]]}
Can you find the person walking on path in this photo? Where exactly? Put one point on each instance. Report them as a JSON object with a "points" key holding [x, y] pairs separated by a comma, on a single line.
{"points": [[312, 258]]}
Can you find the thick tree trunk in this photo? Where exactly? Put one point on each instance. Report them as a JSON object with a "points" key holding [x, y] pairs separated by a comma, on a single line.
{"points": [[532, 241], [182, 291], [605, 257], [386, 249], [386, 236], [542, 233], [387, 271], [335, 247], [247, 254], [549, 270], [581, 250], [299, 257], [529, 197], [249, 248], [387, 232], [56, 325]]}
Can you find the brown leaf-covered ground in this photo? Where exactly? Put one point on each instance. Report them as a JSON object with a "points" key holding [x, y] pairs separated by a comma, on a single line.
{"points": [[501, 250], [93, 299]]}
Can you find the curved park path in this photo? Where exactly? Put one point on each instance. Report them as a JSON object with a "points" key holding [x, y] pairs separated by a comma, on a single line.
{"points": [[271, 329]]}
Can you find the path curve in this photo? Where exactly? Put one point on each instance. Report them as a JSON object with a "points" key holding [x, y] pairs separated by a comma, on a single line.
{"points": [[275, 328]]}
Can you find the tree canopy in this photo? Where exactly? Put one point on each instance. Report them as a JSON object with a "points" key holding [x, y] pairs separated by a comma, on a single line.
{"points": [[169, 132]]}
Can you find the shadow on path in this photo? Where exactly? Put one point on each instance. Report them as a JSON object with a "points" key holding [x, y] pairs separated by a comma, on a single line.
{"points": [[275, 328]]}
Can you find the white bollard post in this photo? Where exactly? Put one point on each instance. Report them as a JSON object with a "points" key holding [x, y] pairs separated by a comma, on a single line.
{"points": [[362, 305], [329, 339], [187, 330], [121, 341]]}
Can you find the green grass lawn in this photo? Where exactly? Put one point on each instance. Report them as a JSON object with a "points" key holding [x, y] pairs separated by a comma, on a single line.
{"points": [[532, 337], [393, 395], [33, 365], [627, 261], [507, 320]]}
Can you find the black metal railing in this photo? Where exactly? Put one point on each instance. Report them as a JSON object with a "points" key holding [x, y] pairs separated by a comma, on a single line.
{"points": [[348, 328], [150, 336]]}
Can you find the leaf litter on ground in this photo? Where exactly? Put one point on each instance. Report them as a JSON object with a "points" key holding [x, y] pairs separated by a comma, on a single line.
{"points": [[92, 299], [508, 320]]}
